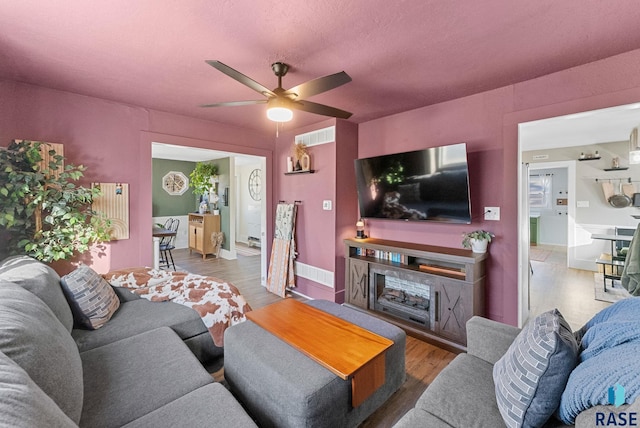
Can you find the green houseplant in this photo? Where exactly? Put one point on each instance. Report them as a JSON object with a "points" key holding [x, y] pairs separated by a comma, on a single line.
{"points": [[43, 212], [200, 177], [478, 240]]}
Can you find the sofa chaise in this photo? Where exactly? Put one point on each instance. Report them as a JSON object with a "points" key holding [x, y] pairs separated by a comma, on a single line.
{"points": [[137, 370]]}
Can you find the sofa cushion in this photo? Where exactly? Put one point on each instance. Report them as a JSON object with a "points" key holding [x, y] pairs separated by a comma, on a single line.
{"points": [[206, 406], [92, 300], [462, 394], [137, 375], [530, 377], [42, 281], [137, 316], [23, 404], [420, 418], [32, 336]]}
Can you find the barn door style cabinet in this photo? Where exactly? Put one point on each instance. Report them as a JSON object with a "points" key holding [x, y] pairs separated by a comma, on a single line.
{"points": [[201, 226], [428, 291]]}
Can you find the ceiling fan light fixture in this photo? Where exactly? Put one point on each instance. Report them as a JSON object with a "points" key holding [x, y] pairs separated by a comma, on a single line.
{"points": [[278, 110]]}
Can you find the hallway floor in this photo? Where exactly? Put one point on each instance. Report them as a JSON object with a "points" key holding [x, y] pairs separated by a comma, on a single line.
{"points": [[554, 285]]}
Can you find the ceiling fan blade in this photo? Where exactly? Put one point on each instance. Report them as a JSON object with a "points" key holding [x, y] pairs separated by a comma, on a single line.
{"points": [[245, 80], [322, 109], [235, 103], [319, 85]]}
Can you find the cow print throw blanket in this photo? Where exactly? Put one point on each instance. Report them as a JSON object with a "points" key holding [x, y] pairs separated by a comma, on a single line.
{"points": [[218, 302]]}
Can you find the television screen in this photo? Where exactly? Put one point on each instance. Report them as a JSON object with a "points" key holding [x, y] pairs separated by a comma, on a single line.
{"points": [[430, 185]]}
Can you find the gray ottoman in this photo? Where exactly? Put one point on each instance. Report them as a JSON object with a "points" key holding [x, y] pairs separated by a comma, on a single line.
{"points": [[281, 387]]}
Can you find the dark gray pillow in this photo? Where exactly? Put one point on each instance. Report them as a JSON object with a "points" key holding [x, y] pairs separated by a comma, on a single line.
{"points": [[42, 281], [531, 376], [32, 336], [92, 300], [23, 404]]}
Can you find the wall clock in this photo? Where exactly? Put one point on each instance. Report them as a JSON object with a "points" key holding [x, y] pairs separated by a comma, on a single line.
{"points": [[255, 184], [175, 183]]}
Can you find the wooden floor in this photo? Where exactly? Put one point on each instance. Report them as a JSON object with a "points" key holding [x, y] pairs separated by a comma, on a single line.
{"points": [[423, 361], [554, 285]]}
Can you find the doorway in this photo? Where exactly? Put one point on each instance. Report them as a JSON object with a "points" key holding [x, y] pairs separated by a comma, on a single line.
{"points": [[232, 202], [551, 196], [561, 142]]}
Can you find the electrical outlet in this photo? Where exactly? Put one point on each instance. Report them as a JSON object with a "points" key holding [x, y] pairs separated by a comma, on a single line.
{"points": [[326, 205], [492, 213]]}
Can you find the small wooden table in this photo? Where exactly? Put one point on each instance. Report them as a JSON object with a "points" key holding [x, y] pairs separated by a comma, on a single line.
{"points": [[346, 349]]}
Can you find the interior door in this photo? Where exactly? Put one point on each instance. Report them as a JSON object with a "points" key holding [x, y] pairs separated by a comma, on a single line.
{"points": [[524, 265]]}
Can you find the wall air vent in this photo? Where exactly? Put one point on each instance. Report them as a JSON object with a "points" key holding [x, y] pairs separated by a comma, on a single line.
{"points": [[315, 138]]}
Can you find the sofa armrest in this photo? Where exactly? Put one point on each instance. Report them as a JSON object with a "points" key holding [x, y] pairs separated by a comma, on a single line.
{"points": [[124, 294], [489, 340]]}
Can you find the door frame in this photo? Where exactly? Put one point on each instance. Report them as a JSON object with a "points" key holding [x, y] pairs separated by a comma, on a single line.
{"points": [[523, 229]]}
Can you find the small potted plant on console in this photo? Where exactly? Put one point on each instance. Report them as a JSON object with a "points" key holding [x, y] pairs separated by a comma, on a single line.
{"points": [[478, 240]]}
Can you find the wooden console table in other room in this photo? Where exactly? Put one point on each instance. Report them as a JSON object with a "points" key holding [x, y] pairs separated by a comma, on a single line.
{"points": [[345, 349], [201, 226]]}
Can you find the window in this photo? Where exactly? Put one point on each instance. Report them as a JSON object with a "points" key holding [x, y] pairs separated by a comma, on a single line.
{"points": [[540, 191]]}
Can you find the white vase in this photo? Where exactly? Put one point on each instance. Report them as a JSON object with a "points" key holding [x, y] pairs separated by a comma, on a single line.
{"points": [[479, 245], [305, 162]]}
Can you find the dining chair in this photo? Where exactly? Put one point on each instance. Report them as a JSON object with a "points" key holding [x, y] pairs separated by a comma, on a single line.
{"points": [[167, 243], [622, 247]]}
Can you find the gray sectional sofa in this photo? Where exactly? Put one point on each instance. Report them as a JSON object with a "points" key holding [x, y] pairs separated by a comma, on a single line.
{"points": [[138, 370], [463, 394]]}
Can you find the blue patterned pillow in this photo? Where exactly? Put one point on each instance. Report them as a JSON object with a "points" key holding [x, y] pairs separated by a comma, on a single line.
{"points": [[93, 301], [531, 376]]}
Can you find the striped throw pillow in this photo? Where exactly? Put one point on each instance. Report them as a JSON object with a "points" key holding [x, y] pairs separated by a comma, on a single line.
{"points": [[531, 376], [93, 301]]}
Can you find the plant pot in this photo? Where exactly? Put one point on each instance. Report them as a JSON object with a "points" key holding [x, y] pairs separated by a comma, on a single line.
{"points": [[216, 212], [479, 245]]}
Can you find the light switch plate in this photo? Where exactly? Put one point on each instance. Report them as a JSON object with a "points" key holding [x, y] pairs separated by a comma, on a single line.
{"points": [[326, 205], [492, 213]]}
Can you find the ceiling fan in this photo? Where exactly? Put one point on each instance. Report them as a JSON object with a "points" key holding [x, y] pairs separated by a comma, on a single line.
{"points": [[279, 101]]}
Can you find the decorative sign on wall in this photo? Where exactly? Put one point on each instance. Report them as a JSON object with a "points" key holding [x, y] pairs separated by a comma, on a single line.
{"points": [[114, 205], [175, 183]]}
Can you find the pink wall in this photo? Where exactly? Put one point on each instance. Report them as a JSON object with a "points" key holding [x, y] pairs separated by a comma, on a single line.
{"points": [[346, 202], [114, 142], [319, 233], [488, 122]]}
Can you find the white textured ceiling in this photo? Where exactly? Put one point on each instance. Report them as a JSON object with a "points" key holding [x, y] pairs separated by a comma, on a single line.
{"points": [[581, 129]]}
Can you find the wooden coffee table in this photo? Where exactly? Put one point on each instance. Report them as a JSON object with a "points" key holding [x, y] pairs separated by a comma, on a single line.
{"points": [[346, 349]]}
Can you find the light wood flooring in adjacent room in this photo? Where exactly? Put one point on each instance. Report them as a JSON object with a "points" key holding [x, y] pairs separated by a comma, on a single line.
{"points": [[554, 285], [423, 361]]}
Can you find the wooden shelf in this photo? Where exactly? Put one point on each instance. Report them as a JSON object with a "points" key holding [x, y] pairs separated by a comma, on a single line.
{"points": [[309, 171], [590, 159], [624, 168]]}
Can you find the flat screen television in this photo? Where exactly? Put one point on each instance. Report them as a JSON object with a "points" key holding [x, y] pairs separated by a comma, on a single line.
{"points": [[423, 185]]}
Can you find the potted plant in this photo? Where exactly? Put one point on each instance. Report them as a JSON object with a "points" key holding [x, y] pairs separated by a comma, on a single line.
{"points": [[43, 212], [478, 240], [200, 179]]}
